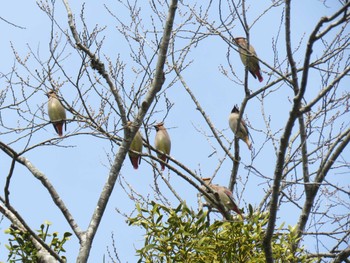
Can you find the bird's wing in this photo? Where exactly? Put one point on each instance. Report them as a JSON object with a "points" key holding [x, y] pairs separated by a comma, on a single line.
{"points": [[233, 203], [245, 128]]}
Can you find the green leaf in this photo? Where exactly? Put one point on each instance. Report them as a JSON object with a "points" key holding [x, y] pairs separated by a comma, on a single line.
{"points": [[67, 234]]}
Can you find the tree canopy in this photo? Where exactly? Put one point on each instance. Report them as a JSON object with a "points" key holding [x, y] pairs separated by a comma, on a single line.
{"points": [[109, 69]]}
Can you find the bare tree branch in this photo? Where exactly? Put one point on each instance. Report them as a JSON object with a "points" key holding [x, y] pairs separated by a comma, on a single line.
{"points": [[145, 105], [50, 188], [44, 250], [342, 256]]}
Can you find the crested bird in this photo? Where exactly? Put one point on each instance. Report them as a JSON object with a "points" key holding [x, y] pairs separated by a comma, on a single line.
{"points": [[162, 143], [57, 112], [249, 58], [221, 194], [136, 145], [242, 132]]}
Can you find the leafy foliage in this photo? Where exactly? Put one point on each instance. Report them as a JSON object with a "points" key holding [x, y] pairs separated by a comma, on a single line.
{"points": [[22, 249], [182, 235]]}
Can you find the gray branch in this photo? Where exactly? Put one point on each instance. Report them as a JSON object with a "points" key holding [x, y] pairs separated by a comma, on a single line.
{"points": [[157, 83], [47, 184]]}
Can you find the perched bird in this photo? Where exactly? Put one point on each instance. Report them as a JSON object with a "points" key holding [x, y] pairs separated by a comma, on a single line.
{"points": [[249, 59], [162, 143], [222, 193], [56, 111], [136, 145], [242, 132]]}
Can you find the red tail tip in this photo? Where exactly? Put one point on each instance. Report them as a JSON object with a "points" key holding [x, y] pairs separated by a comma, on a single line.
{"points": [[135, 162], [59, 129], [260, 78]]}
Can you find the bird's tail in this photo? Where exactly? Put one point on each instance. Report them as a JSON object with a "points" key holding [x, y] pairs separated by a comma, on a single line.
{"points": [[59, 128], [236, 209], [135, 162], [258, 74], [162, 165], [249, 144]]}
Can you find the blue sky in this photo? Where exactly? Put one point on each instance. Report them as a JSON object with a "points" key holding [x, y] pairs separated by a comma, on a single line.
{"points": [[79, 170]]}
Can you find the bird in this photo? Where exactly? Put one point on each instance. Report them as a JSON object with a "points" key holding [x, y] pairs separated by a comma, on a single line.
{"points": [[250, 59], [222, 194], [162, 143], [136, 145], [57, 112], [242, 132]]}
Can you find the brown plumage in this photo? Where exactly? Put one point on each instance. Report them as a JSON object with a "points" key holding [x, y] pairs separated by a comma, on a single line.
{"points": [[249, 59], [57, 112], [242, 133], [162, 143], [222, 195], [136, 145]]}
